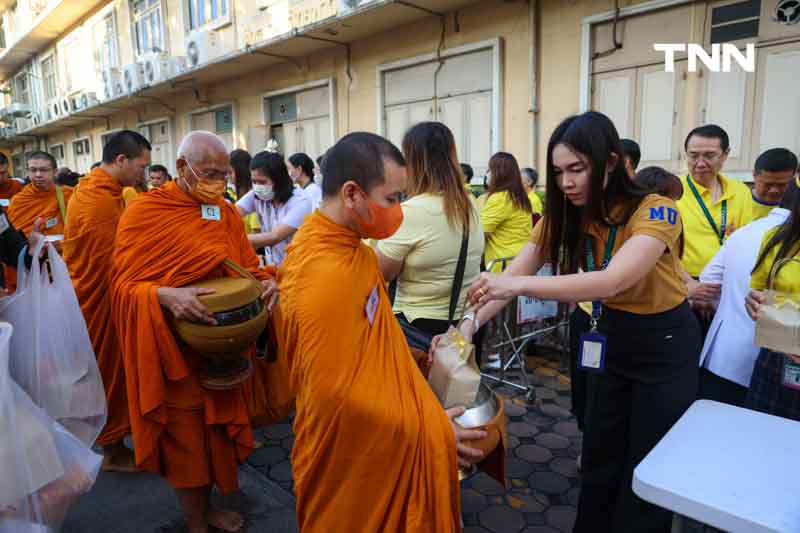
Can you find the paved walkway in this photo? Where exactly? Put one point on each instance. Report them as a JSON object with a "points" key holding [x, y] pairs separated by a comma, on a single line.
{"points": [[540, 498]]}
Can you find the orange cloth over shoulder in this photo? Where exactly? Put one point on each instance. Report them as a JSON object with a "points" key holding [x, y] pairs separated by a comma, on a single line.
{"points": [[8, 188], [163, 241], [28, 205], [88, 246], [374, 450]]}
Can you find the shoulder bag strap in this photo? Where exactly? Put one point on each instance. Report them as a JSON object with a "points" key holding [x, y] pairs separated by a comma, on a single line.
{"points": [[458, 280]]}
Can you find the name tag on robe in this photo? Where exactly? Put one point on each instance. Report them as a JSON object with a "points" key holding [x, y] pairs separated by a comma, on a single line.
{"points": [[210, 212], [5, 202], [3, 223], [791, 374], [51, 223], [372, 305]]}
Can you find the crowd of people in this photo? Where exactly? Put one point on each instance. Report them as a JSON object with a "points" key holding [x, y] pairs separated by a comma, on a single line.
{"points": [[668, 276]]}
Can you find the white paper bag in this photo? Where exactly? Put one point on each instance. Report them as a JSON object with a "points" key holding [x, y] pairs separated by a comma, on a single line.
{"points": [[454, 375]]}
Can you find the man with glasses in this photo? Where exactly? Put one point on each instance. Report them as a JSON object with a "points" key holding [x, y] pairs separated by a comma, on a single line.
{"points": [[92, 220], [171, 237], [711, 208], [42, 198]]}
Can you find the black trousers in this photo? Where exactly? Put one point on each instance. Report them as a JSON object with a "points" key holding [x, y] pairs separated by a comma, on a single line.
{"points": [[719, 389], [578, 324], [649, 381]]}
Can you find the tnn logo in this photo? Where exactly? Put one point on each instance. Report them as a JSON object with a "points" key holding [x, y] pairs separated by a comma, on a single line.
{"points": [[720, 60]]}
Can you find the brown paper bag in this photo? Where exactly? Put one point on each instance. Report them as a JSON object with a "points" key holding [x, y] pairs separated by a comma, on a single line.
{"points": [[778, 323], [454, 375]]}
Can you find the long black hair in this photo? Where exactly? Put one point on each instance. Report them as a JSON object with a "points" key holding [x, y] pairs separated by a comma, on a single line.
{"points": [[240, 162], [304, 163], [271, 164], [592, 136], [788, 234]]}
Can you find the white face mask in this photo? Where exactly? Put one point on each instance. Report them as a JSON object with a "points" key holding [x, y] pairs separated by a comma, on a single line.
{"points": [[263, 192]]}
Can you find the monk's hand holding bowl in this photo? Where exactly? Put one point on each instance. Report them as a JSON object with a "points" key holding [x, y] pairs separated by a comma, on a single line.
{"points": [[489, 287], [182, 302], [467, 456], [270, 294]]}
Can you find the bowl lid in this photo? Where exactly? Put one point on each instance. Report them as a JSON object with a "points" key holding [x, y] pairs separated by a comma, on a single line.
{"points": [[230, 293]]}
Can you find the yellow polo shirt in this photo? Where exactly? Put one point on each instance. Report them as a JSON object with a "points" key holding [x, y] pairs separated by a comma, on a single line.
{"points": [[509, 228], [536, 203], [788, 277], [759, 209], [702, 242]]}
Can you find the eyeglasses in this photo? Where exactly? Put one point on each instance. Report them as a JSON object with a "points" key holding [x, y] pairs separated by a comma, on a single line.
{"points": [[709, 157], [210, 174], [40, 170]]}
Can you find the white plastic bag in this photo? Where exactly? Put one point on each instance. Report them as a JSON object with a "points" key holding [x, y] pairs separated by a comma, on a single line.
{"points": [[43, 467], [51, 355]]}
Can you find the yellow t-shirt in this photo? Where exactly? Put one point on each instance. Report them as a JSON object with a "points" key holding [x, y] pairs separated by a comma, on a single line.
{"points": [[509, 228], [702, 242], [759, 209], [662, 288], [787, 278], [429, 249], [536, 203]]}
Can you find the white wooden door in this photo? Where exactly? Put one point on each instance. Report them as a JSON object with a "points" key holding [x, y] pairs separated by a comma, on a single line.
{"points": [[615, 96], [660, 97], [777, 105]]}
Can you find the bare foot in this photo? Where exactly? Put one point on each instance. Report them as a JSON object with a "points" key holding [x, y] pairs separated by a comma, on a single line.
{"points": [[229, 521]]}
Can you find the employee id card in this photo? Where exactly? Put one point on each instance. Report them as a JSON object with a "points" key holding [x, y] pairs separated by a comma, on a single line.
{"points": [[791, 374], [592, 356], [210, 212], [372, 305]]}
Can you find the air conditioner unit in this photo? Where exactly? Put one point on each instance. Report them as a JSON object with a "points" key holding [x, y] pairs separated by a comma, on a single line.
{"points": [[8, 132], [85, 100], [36, 119], [47, 115], [22, 124], [133, 77], [160, 68], [55, 109], [67, 105], [202, 47], [112, 84]]}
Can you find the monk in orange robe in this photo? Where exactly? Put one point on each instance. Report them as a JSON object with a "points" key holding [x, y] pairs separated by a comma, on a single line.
{"points": [[374, 449], [39, 199], [171, 237], [8, 185], [91, 227]]}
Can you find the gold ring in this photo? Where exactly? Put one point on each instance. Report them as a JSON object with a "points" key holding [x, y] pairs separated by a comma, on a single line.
{"points": [[483, 291]]}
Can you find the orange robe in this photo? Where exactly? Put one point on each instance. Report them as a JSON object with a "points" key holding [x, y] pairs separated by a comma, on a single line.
{"points": [[374, 450], [188, 434], [28, 205], [92, 220], [8, 188]]}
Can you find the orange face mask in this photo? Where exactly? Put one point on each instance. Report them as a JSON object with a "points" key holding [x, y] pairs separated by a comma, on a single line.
{"points": [[205, 191], [383, 223]]}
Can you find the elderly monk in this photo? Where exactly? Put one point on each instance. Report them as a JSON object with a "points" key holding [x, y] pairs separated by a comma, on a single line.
{"points": [[374, 449], [92, 220], [8, 185], [42, 198], [168, 238]]}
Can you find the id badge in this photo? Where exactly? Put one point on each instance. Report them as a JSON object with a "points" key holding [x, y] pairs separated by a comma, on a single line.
{"points": [[592, 355], [372, 305], [51, 223], [791, 374], [210, 212], [5, 202]]}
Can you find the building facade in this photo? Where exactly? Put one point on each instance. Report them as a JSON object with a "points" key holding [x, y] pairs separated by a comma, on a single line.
{"points": [[500, 73]]}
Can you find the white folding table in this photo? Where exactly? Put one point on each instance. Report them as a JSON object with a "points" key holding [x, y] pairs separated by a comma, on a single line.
{"points": [[734, 469]]}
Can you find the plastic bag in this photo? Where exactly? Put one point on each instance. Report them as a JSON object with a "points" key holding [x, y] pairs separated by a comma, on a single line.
{"points": [[51, 355], [44, 468], [454, 375]]}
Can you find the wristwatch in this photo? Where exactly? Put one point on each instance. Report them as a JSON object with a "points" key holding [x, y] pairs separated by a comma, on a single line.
{"points": [[473, 316]]}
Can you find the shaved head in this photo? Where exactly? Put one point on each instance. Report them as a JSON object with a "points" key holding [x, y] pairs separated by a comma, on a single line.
{"points": [[201, 146]]}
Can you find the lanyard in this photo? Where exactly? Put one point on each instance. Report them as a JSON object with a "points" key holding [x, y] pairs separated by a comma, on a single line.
{"points": [[719, 232], [590, 266]]}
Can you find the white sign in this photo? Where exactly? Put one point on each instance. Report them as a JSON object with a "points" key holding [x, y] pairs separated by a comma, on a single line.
{"points": [[533, 309], [720, 59]]}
